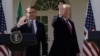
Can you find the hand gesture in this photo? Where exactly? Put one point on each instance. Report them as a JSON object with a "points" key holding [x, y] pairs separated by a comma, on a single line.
{"points": [[22, 20], [61, 9]]}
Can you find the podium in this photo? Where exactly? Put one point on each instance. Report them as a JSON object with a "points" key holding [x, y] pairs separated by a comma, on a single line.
{"points": [[94, 36], [18, 47]]}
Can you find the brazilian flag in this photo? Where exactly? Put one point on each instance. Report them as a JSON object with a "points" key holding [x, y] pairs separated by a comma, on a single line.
{"points": [[19, 10]]}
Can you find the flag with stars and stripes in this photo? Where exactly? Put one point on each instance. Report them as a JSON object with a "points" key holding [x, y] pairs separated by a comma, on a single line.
{"points": [[89, 49], [3, 48]]}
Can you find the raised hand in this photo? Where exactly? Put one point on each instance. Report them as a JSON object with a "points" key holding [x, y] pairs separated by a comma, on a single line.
{"points": [[22, 20], [61, 9]]}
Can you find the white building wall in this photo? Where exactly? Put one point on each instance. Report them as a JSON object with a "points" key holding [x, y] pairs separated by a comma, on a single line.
{"points": [[8, 10], [96, 9]]}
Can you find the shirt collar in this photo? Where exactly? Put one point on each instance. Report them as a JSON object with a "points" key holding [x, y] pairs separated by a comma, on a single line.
{"points": [[66, 19], [33, 20]]}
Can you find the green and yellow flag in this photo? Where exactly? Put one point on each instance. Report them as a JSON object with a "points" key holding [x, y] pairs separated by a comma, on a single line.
{"points": [[19, 10]]}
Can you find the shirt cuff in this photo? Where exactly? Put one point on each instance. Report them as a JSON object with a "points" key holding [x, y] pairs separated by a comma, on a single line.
{"points": [[18, 25]]}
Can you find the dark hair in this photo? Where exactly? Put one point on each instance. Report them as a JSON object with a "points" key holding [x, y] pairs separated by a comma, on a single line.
{"points": [[30, 6]]}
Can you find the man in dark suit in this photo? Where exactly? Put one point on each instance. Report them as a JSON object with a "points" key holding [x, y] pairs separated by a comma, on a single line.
{"points": [[24, 27], [65, 39]]}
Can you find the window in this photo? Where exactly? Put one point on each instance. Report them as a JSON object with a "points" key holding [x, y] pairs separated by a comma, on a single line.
{"points": [[45, 5]]}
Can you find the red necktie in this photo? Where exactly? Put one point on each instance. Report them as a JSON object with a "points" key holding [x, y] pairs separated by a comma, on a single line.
{"points": [[69, 26]]}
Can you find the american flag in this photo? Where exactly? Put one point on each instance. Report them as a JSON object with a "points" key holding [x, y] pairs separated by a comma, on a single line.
{"points": [[89, 49], [3, 48]]}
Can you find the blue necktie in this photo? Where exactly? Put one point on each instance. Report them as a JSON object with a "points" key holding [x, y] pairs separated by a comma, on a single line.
{"points": [[33, 31]]}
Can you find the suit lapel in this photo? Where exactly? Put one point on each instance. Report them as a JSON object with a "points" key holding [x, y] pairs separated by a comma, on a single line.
{"points": [[37, 25]]}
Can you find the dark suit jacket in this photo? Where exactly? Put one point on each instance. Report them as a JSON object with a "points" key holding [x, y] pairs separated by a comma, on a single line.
{"points": [[41, 37], [65, 43]]}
